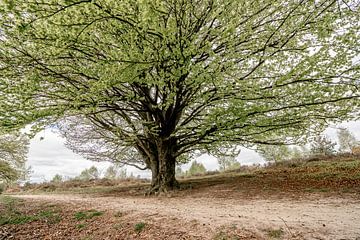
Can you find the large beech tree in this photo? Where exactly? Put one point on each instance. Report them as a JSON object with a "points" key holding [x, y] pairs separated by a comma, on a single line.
{"points": [[170, 78]]}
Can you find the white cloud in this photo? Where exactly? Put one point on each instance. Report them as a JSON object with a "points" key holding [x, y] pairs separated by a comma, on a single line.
{"points": [[49, 156]]}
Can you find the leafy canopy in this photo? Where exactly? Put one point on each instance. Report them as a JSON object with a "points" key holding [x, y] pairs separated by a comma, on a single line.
{"points": [[204, 73]]}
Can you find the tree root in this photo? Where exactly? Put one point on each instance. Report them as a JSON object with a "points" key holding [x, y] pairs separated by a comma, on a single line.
{"points": [[158, 190]]}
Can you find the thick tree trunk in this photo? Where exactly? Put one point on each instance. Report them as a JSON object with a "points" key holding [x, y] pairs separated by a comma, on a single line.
{"points": [[163, 167]]}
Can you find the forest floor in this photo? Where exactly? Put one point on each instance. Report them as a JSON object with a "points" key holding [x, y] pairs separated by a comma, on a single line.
{"points": [[300, 200]]}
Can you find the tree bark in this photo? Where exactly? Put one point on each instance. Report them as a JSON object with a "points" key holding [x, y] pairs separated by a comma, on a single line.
{"points": [[163, 167]]}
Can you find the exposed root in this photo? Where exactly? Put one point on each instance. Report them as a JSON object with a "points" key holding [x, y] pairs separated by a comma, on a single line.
{"points": [[158, 189]]}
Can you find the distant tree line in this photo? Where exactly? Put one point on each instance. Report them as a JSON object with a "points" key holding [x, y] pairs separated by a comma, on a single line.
{"points": [[320, 145], [112, 172]]}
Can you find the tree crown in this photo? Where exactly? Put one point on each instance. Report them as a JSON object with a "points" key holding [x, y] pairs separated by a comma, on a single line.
{"points": [[204, 74]]}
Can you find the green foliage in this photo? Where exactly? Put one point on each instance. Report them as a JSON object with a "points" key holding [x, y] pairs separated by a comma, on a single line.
{"points": [[139, 227], [298, 152], [89, 174], [13, 151], [80, 226], [49, 216], [115, 172], [89, 214], [196, 168], [17, 219], [111, 173], [274, 153], [322, 146], [57, 179], [7, 172], [228, 163], [280, 153], [347, 140]]}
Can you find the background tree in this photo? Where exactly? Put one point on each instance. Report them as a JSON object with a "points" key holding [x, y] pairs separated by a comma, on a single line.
{"points": [[322, 146], [346, 140], [169, 79], [89, 174], [228, 163], [196, 168], [274, 153], [296, 153], [57, 178], [122, 173], [111, 173], [13, 151], [179, 172], [93, 172]]}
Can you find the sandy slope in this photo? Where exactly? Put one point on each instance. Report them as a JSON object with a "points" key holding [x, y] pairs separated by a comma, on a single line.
{"points": [[307, 218]]}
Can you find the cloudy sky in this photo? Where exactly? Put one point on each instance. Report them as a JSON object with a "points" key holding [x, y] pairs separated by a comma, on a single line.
{"points": [[49, 156]]}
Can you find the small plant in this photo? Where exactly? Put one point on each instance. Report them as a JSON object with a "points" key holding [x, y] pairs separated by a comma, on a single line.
{"points": [[275, 233], [87, 214], [80, 226], [49, 216], [11, 215], [139, 227], [16, 218]]}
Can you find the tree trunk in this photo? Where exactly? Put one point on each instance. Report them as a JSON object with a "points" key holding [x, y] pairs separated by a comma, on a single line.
{"points": [[163, 167]]}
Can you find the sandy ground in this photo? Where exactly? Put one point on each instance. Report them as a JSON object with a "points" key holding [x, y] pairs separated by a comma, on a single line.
{"points": [[306, 218]]}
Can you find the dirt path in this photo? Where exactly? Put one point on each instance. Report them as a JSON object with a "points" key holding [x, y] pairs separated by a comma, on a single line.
{"points": [[326, 218]]}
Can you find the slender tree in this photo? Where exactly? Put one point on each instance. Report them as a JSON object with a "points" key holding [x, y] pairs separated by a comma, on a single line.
{"points": [[347, 140], [322, 146], [89, 174], [111, 173], [169, 78], [228, 163]]}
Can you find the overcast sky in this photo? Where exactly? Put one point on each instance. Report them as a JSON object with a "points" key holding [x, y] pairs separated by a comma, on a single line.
{"points": [[49, 156]]}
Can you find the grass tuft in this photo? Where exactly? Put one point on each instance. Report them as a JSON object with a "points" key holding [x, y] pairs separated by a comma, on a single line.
{"points": [[81, 215], [80, 226], [275, 233], [139, 227]]}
